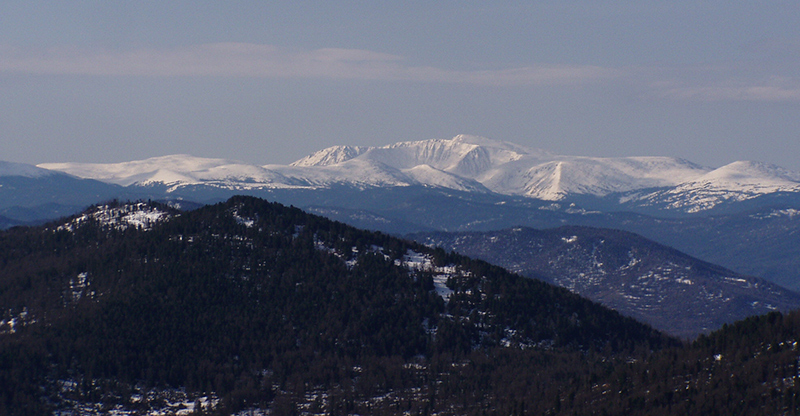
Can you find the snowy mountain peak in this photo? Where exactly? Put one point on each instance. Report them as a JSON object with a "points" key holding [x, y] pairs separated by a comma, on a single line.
{"points": [[749, 172], [737, 181], [466, 163], [744, 179], [331, 156], [498, 144]]}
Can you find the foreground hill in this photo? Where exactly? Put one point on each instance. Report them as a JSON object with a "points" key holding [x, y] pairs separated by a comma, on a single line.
{"points": [[248, 304], [653, 283], [749, 368]]}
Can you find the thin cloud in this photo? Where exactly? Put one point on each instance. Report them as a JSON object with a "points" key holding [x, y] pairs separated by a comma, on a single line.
{"points": [[721, 83], [267, 61], [765, 93], [692, 83]]}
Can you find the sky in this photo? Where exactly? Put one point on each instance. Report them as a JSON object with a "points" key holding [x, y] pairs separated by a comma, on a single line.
{"points": [[268, 82]]}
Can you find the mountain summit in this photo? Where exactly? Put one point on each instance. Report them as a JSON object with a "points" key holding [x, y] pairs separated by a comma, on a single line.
{"points": [[511, 169], [465, 163]]}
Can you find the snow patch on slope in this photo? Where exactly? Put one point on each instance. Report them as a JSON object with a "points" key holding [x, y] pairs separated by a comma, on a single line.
{"points": [[422, 262], [777, 213], [139, 215]]}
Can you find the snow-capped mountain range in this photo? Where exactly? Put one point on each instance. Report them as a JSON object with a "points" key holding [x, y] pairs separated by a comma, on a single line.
{"points": [[464, 163]]}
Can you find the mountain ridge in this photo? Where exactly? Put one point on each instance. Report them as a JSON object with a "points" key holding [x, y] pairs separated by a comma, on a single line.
{"points": [[467, 163], [650, 282]]}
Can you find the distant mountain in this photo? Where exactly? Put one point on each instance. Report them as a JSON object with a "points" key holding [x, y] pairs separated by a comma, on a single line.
{"points": [[29, 194], [764, 242], [655, 284], [510, 169], [22, 170], [175, 171], [466, 163], [735, 182], [8, 222]]}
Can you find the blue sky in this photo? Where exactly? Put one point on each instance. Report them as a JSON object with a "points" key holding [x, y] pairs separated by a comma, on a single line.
{"points": [[269, 82]]}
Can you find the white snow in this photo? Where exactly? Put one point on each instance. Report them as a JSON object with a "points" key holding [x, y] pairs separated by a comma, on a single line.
{"points": [[246, 221], [8, 326], [176, 170], [143, 219], [428, 175], [737, 181], [331, 156], [153, 402], [467, 163], [78, 286], [421, 262], [137, 215], [776, 213]]}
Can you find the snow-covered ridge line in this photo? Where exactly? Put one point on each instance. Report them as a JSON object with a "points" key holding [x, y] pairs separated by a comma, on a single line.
{"points": [[464, 163], [137, 215]]}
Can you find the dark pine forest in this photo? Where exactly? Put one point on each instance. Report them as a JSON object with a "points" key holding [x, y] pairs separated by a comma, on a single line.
{"points": [[263, 305]]}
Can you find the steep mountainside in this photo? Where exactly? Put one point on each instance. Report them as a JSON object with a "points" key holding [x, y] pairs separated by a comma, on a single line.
{"points": [[249, 304], [673, 292]]}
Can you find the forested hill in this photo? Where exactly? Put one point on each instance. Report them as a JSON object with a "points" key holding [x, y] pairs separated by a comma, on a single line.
{"points": [[749, 368], [253, 303], [249, 305]]}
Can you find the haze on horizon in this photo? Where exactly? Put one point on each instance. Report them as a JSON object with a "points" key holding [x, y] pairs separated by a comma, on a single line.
{"points": [[271, 82]]}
